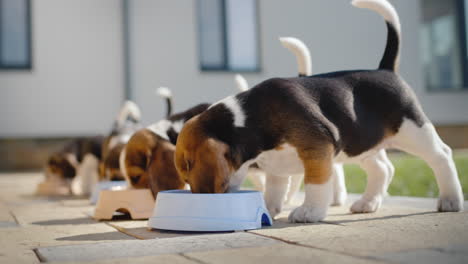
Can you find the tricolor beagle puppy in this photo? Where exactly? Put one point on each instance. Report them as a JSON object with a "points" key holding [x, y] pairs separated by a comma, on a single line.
{"points": [[346, 116], [126, 123], [147, 160], [76, 165]]}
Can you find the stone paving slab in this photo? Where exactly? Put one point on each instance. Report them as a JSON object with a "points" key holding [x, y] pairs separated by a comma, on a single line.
{"points": [[13, 184], [404, 230], [278, 253], [153, 247], [425, 256], [46, 213], [389, 230], [16, 244], [15, 256], [163, 259], [6, 218], [40, 236], [140, 230]]}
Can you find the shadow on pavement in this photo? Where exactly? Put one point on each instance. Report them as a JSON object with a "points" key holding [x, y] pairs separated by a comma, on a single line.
{"points": [[98, 237], [73, 221]]}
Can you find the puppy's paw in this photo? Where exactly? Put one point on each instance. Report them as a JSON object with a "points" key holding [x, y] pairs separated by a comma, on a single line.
{"points": [[274, 210], [339, 198], [307, 214], [450, 204], [366, 206], [274, 204]]}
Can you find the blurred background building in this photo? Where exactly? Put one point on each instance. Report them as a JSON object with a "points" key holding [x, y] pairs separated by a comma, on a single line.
{"points": [[66, 66]]}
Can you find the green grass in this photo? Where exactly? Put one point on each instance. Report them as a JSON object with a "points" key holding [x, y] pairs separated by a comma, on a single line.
{"points": [[412, 176]]}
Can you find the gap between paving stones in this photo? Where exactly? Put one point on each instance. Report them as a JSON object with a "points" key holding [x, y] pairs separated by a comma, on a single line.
{"points": [[124, 231], [38, 256], [192, 258]]}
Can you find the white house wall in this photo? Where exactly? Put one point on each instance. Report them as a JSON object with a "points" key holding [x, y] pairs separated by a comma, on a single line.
{"points": [[76, 84]]}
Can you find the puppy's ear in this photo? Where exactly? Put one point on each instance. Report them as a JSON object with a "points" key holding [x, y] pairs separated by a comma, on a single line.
{"points": [[102, 171], [162, 173], [211, 167], [138, 153]]}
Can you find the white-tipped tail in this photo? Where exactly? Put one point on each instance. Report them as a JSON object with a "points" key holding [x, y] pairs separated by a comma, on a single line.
{"points": [[164, 92], [300, 50], [383, 8], [129, 109], [391, 57], [241, 82]]}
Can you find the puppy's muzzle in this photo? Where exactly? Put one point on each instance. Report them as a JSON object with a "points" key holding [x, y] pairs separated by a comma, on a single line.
{"points": [[135, 179]]}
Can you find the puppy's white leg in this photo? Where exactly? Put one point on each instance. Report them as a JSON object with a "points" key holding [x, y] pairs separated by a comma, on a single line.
{"points": [[425, 143], [318, 170], [295, 182], [316, 202], [275, 191], [377, 178], [257, 177], [86, 175], [339, 188], [390, 169]]}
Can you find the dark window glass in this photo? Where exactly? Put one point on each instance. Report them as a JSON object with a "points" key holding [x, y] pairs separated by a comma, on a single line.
{"points": [[15, 36], [443, 44], [228, 35]]}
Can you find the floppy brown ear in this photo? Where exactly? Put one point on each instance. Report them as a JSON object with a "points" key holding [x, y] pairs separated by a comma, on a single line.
{"points": [[138, 154], [162, 172], [211, 169], [112, 164], [102, 171]]}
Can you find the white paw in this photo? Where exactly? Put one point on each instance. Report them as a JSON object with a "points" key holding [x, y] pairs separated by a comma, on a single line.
{"points": [[339, 198], [274, 211], [306, 214], [450, 204], [366, 206], [274, 204], [274, 208]]}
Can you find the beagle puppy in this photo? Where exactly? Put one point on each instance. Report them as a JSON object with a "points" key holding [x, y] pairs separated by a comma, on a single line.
{"points": [[75, 167], [126, 123], [147, 160], [345, 116]]}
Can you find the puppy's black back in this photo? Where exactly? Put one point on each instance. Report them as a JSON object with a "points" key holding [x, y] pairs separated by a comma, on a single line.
{"points": [[353, 109]]}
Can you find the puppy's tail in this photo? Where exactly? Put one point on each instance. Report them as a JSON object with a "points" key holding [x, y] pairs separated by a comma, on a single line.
{"points": [[241, 83], [391, 57], [165, 93], [300, 50], [129, 111]]}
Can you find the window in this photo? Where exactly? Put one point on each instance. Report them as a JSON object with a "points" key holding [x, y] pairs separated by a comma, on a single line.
{"points": [[228, 35], [444, 48], [15, 34]]}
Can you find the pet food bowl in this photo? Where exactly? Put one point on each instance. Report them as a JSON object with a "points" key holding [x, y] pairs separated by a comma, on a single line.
{"points": [[106, 185], [52, 188], [139, 203], [181, 210]]}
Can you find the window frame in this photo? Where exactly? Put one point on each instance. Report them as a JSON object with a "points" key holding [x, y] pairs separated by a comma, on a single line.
{"points": [[28, 64], [225, 65]]}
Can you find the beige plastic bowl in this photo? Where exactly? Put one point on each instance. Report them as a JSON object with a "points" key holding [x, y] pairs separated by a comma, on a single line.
{"points": [[52, 188], [139, 203]]}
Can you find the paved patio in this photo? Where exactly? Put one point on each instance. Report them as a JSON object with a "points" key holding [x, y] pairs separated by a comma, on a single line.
{"points": [[405, 230]]}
